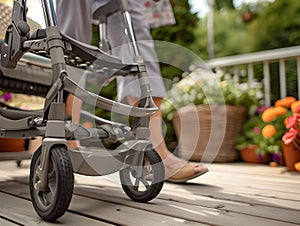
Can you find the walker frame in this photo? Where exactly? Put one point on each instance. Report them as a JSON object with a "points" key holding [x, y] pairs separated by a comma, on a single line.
{"points": [[52, 166]]}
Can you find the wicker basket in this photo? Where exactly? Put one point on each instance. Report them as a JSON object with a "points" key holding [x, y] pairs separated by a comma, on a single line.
{"points": [[208, 132]]}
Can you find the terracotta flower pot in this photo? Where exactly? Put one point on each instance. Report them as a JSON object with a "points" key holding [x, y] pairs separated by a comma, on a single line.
{"points": [[12, 144], [291, 156], [248, 154]]}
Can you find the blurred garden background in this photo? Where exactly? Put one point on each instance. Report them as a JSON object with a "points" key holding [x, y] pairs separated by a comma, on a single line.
{"points": [[250, 26]]}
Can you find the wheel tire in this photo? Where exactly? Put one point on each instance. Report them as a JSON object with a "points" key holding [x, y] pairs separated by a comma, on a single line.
{"points": [[53, 203], [152, 179]]}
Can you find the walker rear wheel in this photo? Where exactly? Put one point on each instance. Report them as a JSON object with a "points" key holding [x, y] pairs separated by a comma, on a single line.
{"points": [[53, 203], [148, 186]]}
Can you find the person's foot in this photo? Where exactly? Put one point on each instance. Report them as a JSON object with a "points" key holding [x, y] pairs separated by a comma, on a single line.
{"points": [[179, 171]]}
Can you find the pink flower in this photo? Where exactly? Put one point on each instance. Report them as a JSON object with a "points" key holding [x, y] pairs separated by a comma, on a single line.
{"points": [[290, 136], [261, 109], [293, 121], [256, 130]]}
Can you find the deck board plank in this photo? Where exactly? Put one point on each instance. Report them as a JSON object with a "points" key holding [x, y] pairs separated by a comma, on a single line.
{"points": [[191, 207], [5, 221], [22, 212], [230, 194], [114, 212], [122, 211]]}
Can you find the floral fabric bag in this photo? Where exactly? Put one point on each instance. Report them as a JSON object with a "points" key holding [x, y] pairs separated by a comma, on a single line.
{"points": [[159, 13], [5, 18]]}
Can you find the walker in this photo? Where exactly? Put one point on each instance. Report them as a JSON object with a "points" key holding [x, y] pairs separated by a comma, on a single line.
{"points": [[51, 179]]}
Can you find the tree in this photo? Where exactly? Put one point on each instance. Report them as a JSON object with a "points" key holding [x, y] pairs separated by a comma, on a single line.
{"points": [[278, 26], [230, 33], [182, 33]]}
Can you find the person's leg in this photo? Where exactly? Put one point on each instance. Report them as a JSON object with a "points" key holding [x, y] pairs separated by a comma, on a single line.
{"points": [[74, 19], [129, 86], [73, 107], [176, 169]]}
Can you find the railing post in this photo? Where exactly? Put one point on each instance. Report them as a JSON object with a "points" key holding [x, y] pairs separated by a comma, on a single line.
{"points": [[282, 78], [236, 76], [250, 74], [267, 85]]}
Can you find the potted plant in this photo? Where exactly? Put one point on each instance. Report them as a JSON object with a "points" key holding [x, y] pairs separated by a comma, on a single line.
{"points": [[208, 111], [26, 102], [291, 138], [273, 125], [260, 141], [11, 144]]}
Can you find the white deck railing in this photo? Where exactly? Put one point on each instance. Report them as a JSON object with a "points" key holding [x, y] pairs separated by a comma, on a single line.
{"points": [[263, 58]]}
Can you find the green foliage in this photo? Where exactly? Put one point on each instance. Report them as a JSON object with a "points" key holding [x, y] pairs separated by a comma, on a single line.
{"points": [[252, 135], [228, 4], [108, 91], [203, 87], [199, 47], [182, 33], [278, 26], [230, 35]]}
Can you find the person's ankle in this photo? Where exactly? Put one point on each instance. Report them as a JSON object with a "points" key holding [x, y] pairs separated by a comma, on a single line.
{"points": [[164, 154]]}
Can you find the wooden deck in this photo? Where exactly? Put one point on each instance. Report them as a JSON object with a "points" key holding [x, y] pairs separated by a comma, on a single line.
{"points": [[230, 194]]}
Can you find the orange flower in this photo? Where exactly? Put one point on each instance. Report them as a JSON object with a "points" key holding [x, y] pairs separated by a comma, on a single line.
{"points": [[296, 106], [273, 164], [278, 103], [279, 110], [285, 121], [269, 131], [285, 102], [269, 115], [297, 166]]}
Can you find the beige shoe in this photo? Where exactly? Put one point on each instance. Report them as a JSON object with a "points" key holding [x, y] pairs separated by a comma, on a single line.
{"points": [[184, 174], [180, 171]]}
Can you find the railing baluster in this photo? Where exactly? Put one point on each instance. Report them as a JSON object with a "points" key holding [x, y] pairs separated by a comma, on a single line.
{"points": [[250, 74], [265, 57], [267, 86], [282, 78], [236, 75]]}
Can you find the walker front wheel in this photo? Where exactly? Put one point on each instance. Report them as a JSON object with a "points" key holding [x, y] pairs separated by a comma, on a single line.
{"points": [[147, 186], [52, 203]]}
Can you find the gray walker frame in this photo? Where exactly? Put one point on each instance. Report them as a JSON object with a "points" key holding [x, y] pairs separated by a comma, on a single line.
{"points": [[50, 123]]}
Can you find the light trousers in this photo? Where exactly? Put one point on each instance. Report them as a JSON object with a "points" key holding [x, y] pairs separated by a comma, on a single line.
{"points": [[75, 19]]}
